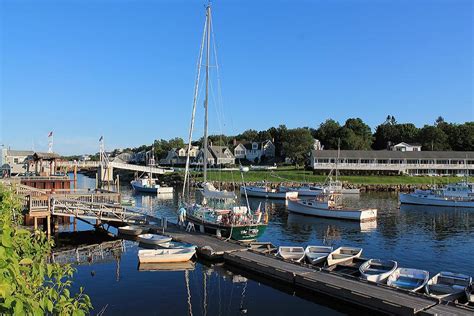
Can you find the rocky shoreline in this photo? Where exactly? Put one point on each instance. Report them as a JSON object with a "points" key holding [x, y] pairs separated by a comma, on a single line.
{"points": [[362, 187], [175, 179]]}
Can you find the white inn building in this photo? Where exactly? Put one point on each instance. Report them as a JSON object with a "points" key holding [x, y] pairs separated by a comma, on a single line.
{"points": [[395, 161]]}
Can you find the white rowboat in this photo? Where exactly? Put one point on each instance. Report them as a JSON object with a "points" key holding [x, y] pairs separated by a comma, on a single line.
{"points": [[133, 230], [291, 253], [343, 254], [153, 239], [376, 270], [165, 255], [317, 254], [448, 286], [408, 279]]}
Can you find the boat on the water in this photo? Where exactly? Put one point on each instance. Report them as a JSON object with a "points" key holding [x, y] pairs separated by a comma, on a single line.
{"points": [[317, 254], [133, 230], [291, 253], [376, 270], [408, 279], [176, 245], [149, 185], [263, 191], [220, 212], [453, 195], [165, 255], [314, 190], [330, 205], [343, 254], [448, 286], [153, 239]]}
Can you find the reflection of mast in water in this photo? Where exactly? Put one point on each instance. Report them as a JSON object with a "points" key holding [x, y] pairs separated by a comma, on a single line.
{"points": [[186, 278], [204, 278], [242, 309], [331, 235]]}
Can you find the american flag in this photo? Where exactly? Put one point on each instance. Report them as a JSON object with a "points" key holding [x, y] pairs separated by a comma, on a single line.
{"points": [[101, 138], [50, 134]]}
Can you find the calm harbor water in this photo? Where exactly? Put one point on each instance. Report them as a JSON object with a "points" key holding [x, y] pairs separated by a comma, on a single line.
{"points": [[433, 239]]}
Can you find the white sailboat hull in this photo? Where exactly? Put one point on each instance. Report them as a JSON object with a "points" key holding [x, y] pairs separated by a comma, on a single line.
{"points": [[259, 192], [318, 209], [419, 199]]}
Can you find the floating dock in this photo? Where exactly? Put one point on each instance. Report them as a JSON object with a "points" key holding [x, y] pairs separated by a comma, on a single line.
{"points": [[350, 289]]}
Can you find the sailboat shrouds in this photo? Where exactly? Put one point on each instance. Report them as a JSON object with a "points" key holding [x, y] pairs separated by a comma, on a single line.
{"points": [[219, 212]]}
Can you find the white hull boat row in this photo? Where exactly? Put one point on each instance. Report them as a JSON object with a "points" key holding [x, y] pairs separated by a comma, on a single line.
{"points": [[426, 198], [315, 190], [408, 279], [321, 209], [133, 230], [165, 255], [264, 192], [343, 254], [153, 239], [291, 253], [448, 286], [376, 270], [317, 254]]}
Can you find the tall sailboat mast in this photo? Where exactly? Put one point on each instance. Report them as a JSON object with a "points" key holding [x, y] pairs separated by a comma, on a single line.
{"points": [[195, 99], [206, 100]]}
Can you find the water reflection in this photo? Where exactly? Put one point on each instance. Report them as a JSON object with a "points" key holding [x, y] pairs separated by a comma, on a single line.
{"points": [[434, 239]]}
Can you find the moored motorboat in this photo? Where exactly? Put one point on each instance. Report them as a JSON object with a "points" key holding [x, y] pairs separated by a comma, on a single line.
{"points": [[133, 230], [153, 239], [343, 254], [291, 253], [317, 254], [448, 286], [149, 185], [408, 279], [264, 191], [330, 205], [165, 255], [376, 270], [453, 195]]}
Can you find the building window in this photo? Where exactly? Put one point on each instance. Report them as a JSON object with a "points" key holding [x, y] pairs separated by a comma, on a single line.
{"points": [[15, 160]]}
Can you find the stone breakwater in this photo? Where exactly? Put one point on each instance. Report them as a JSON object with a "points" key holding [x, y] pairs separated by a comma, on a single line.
{"points": [[362, 187]]}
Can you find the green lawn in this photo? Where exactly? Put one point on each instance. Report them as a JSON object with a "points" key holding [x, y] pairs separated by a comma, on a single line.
{"points": [[291, 174]]}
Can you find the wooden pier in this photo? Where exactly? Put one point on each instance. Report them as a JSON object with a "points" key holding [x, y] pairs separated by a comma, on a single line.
{"points": [[318, 280]]}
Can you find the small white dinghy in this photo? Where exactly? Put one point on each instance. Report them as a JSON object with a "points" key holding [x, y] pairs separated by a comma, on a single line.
{"points": [[165, 255], [317, 254], [133, 230], [448, 286], [153, 239], [291, 253], [343, 254], [408, 279], [376, 270]]}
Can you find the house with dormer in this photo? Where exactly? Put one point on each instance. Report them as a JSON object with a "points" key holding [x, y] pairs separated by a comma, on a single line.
{"points": [[177, 156], [254, 151], [216, 156]]}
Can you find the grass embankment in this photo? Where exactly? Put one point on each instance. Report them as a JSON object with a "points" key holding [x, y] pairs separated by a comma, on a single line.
{"points": [[300, 175]]}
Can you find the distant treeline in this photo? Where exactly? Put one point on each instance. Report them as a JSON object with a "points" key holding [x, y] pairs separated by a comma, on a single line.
{"points": [[295, 143]]}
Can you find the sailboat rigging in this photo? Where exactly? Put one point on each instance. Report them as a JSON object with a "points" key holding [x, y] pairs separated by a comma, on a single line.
{"points": [[219, 213]]}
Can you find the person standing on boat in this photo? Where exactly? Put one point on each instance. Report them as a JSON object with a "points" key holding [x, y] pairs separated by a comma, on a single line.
{"points": [[182, 217]]}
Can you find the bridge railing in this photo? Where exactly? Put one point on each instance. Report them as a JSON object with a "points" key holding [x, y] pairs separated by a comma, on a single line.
{"points": [[107, 198]]}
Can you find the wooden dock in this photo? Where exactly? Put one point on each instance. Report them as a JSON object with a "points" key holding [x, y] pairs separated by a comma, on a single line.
{"points": [[317, 280]]}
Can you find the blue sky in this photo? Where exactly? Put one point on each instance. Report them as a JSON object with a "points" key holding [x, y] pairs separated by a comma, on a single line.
{"points": [[125, 69]]}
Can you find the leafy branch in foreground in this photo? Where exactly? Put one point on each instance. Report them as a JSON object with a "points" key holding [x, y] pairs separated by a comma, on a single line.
{"points": [[28, 283]]}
